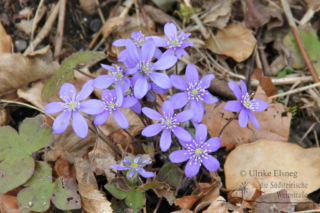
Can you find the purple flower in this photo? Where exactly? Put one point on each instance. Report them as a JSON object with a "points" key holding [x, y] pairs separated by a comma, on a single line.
{"points": [[138, 39], [73, 103], [245, 105], [144, 68], [116, 77], [175, 42], [129, 93], [111, 105], [194, 91], [197, 152], [169, 122], [134, 167]]}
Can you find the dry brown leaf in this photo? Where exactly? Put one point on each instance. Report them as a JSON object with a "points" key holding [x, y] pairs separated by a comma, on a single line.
{"points": [[63, 168], [259, 14], [26, 25], [249, 194], [314, 4], [26, 12], [217, 206], [273, 125], [17, 71], [111, 24], [183, 211], [186, 202], [210, 193], [92, 200], [235, 41], [159, 16], [219, 17], [89, 6], [5, 41], [265, 82], [281, 166]]}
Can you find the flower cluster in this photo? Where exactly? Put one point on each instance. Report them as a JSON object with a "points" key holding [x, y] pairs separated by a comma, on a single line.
{"points": [[143, 77]]}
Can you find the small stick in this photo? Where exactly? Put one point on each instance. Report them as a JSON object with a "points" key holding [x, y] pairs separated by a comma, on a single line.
{"points": [[307, 133], [229, 121], [89, 76], [100, 12], [59, 35], [296, 34], [296, 90], [44, 32], [158, 205], [144, 16], [34, 25]]}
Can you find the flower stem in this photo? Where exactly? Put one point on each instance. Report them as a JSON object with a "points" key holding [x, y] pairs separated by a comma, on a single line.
{"points": [[229, 121], [177, 68]]}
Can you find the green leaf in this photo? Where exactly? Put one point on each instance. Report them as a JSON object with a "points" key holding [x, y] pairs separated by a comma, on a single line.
{"points": [[118, 206], [133, 198], [283, 73], [154, 185], [17, 165], [40, 189], [65, 72], [149, 150], [312, 45], [173, 177], [192, 132]]}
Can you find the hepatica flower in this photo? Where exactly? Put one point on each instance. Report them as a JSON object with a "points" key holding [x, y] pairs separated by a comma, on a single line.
{"points": [[176, 43], [197, 152], [111, 105], [145, 68], [169, 122], [193, 92], [73, 103], [115, 77], [245, 105], [134, 167], [138, 40]]}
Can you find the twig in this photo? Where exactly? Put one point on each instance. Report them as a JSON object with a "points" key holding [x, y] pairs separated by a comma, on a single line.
{"points": [[34, 25], [229, 121], [291, 88], [83, 73], [59, 35], [316, 137], [100, 12], [144, 16], [158, 205], [44, 32], [296, 90], [26, 105], [296, 34], [307, 133]]}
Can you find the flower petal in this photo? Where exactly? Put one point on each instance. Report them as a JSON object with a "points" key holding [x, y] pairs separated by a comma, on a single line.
{"points": [[151, 113], [61, 123], [192, 168], [144, 173], [206, 80], [141, 87], [235, 89], [152, 130], [92, 107], [147, 50], [157, 54], [131, 71], [198, 109], [209, 99], [161, 80], [53, 107], [119, 167], [129, 102], [181, 133], [179, 156], [170, 30], [243, 88], [201, 133], [158, 90], [184, 116], [126, 161], [180, 52], [187, 44], [259, 105], [165, 140], [165, 62], [132, 51], [179, 100], [119, 93], [211, 163], [86, 90], [187, 144], [108, 67], [169, 51], [119, 43], [136, 108], [79, 124], [136, 159], [233, 106], [67, 91], [192, 74], [103, 81], [213, 144], [131, 173], [124, 57], [253, 119], [178, 82], [121, 119], [101, 118], [167, 109], [183, 36], [160, 42], [243, 118]]}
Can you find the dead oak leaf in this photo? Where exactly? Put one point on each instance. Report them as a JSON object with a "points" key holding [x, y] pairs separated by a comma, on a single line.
{"points": [[5, 41], [273, 124]]}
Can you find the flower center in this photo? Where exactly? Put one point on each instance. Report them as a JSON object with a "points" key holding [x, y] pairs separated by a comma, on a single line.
{"points": [[247, 103], [175, 42], [146, 68], [72, 105], [195, 91], [168, 122], [198, 151], [110, 104], [134, 165], [119, 75]]}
